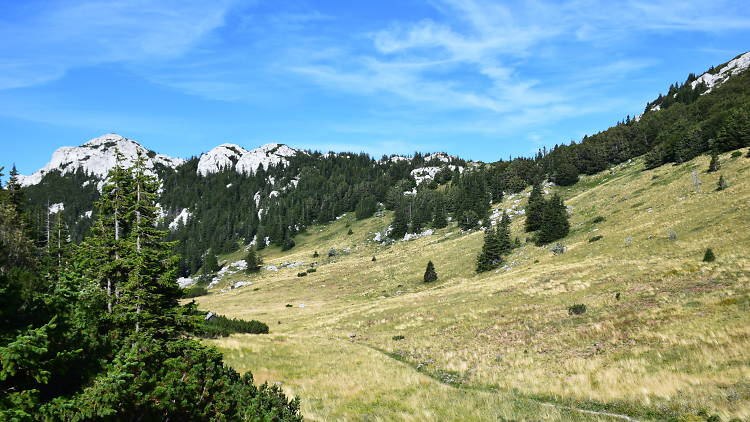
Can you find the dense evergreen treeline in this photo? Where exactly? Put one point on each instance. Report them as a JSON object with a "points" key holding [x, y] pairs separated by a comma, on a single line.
{"points": [[94, 332], [274, 204], [221, 326]]}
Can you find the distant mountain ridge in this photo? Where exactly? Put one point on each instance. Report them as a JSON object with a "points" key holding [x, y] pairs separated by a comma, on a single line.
{"points": [[97, 156], [230, 194]]}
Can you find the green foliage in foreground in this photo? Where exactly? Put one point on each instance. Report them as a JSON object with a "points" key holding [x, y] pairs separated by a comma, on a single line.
{"points": [[96, 333]]}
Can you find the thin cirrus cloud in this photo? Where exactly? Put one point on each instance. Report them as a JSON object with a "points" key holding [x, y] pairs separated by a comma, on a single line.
{"points": [[42, 40], [432, 72]]}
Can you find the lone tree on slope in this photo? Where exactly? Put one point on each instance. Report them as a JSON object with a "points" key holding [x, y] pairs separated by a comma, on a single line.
{"points": [[555, 223], [253, 261], [430, 275]]}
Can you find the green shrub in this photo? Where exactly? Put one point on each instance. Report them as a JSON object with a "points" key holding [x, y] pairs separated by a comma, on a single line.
{"points": [[595, 238], [430, 275], [736, 154], [302, 274], [577, 309], [289, 305], [598, 219], [194, 291], [311, 270], [397, 338], [709, 256]]}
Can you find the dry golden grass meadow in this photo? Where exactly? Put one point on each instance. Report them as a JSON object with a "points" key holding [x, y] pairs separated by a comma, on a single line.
{"points": [[369, 341]]}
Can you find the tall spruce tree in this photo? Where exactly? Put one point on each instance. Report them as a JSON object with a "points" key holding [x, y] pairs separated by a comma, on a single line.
{"points": [[555, 223], [439, 220], [534, 209], [253, 261], [491, 255], [149, 298], [503, 235], [400, 224], [59, 249], [103, 252], [14, 190]]}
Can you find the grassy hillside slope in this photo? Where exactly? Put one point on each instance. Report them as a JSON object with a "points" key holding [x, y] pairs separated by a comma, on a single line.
{"points": [[501, 345]]}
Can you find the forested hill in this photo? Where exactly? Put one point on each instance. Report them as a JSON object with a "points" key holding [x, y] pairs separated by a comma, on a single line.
{"points": [[268, 195]]}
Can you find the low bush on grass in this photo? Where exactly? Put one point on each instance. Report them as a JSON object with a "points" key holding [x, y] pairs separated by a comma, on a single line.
{"points": [[595, 238], [577, 309], [558, 249], [598, 219]]}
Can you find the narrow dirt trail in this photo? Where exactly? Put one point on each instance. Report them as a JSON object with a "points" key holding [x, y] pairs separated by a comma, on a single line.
{"points": [[541, 403]]}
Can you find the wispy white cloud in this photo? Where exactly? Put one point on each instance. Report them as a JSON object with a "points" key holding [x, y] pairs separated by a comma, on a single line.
{"points": [[51, 37]]}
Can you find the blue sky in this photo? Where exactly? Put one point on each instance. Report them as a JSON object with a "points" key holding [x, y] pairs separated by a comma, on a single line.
{"points": [[481, 79]]}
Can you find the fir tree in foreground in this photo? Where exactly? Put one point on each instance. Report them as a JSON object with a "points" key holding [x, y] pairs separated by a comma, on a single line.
{"points": [[430, 275], [709, 255], [105, 338], [555, 223]]}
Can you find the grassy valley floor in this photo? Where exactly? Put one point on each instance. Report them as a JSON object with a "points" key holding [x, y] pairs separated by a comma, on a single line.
{"points": [[664, 335]]}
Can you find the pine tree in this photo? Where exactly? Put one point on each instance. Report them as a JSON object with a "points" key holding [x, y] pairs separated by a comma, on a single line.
{"points": [[555, 223], [14, 190], [439, 220], [503, 235], [149, 300], [714, 164], [210, 263], [59, 249], [366, 207], [722, 184], [288, 242], [102, 253], [534, 209], [400, 224], [430, 275], [735, 132], [260, 236], [709, 256], [491, 255], [468, 220], [253, 261]]}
